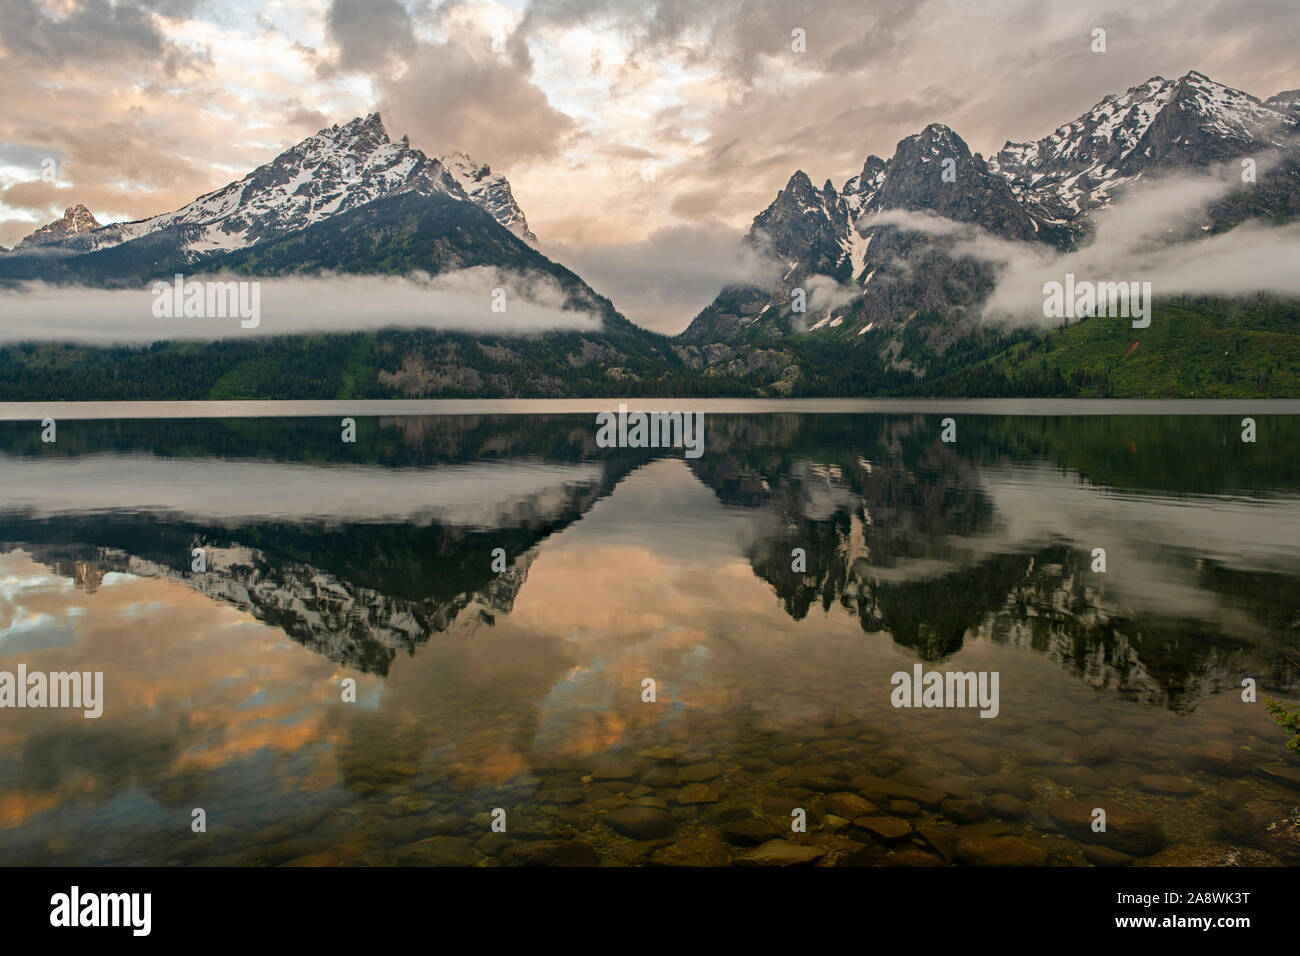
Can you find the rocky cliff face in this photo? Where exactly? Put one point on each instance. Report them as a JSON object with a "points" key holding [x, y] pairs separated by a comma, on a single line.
{"points": [[1288, 101], [1161, 125], [76, 221], [336, 171], [866, 270], [489, 191]]}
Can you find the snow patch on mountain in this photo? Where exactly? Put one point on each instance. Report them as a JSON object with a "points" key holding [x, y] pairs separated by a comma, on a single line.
{"points": [[1043, 193], [1191, 121], [490, 191], [335, 171]]}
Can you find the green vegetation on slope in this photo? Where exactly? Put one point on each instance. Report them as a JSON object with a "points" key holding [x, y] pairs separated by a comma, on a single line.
{"points": [[1194, 348]]}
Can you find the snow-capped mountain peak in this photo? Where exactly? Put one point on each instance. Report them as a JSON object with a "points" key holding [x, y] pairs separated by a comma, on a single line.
{"points": [[1038, 191], [489, 190], [1192, 121], [333, 171]]}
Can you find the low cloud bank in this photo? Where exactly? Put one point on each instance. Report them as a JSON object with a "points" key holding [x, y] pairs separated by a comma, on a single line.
{"points": [[481, 300], [824, 296], [1142, 237]]}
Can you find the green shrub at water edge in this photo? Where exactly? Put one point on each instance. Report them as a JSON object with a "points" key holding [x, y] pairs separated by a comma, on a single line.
{"points": [[1290, 721]]}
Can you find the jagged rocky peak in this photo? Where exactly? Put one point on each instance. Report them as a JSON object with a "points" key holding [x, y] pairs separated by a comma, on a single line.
{"points": [[802, 224], [859, 190], [936, 141], [360, 151], [869, 180], [1288, 101], [1102, 136], [489, 190], [334, 171], [799, 187], [1160, 124], [1042, 191], [76, 220], [934, 171], [1225, 120], [916, 171], [799, 205], [366, 132]]}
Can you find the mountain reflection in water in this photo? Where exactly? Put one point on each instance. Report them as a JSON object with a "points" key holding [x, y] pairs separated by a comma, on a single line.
{"points": [[522, 689]]}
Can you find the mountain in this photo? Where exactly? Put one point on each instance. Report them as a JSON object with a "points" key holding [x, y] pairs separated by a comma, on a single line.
{"points": [[398, 234], [1288, 101], [857, 300], [863, 276], [76, 221], [490, 192], [336, 171], [1161, 125], [350, 201]]}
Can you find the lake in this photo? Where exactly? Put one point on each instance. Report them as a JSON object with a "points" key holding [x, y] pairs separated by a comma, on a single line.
{"points": [[474, 637]]}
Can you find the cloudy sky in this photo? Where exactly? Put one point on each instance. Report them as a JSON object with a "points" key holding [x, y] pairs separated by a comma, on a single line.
{"points": [[146, 105]]}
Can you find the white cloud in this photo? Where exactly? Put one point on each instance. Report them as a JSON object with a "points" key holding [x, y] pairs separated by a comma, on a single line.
{"points": [[458, 301], [1142, 237]]}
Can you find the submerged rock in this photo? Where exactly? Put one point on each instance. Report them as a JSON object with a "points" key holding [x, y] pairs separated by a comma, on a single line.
{"points": [[752, 832], [700, 850], [437, 851], [913, 856], [550, 853], [884, 829], [999, 851], [697, 793], [1211, 854], [560, 796], [1125, 830], [1008, 783], [1106, 857], [660, 753], [850, 805], [1167, 783], [1221, 757], [660, 777], [615, 768], [781, 853], [963, 811], [1004, 806], [1079, 778], [641, 823], [872, 786], [726, 811], [1281, 773], [697, 773]]}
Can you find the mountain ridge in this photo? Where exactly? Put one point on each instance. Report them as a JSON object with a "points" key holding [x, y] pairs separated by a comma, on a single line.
{"points": [[1035, 192], [334, 171], [890, 309]]}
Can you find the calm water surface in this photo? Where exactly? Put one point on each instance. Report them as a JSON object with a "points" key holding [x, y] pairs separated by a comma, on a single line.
{"points": [[523, 689]]}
